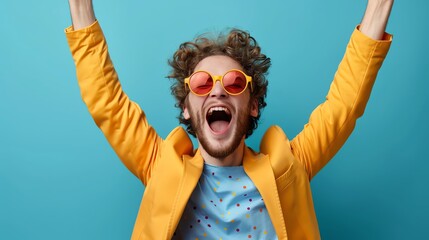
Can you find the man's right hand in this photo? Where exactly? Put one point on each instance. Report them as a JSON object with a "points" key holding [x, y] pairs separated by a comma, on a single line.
{"points": [[82, 13]]}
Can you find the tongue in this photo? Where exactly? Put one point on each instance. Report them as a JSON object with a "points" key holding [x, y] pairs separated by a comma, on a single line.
{"points": [[219, 126]]}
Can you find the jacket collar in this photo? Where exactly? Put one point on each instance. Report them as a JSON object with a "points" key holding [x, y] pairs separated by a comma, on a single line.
{"points": [[257, 167]]}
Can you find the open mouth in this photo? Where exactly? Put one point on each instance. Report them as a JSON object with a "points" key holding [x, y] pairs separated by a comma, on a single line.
{"points": [[218, 119]]}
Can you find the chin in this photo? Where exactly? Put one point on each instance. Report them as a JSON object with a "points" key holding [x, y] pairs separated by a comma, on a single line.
{"points": [[220, 147], [218, 131]]}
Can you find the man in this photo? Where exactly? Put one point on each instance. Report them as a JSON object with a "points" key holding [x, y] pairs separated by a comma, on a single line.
{"points": [[225, 190]]}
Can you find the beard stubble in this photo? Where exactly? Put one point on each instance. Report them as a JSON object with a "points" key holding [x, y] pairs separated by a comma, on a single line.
{"points": [[197, 123]]}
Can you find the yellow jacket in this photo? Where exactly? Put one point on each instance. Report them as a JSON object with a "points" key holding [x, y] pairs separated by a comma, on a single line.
{"points": [[170, 168]]}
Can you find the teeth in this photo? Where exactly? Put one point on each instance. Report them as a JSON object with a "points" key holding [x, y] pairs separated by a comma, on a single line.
{"points": [[211, 110]]}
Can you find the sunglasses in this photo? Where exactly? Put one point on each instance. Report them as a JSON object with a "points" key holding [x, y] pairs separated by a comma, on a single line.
{"points": [[234, 82]]}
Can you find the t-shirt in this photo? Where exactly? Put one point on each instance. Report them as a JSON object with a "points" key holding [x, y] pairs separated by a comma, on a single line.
{"points": [[225, 204]]}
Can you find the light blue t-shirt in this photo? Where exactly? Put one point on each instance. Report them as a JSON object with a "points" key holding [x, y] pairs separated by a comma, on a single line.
{"points": [[225, 205]]}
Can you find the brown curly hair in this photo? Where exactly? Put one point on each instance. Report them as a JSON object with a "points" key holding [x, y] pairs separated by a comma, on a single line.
{"points": [[236, 44]]}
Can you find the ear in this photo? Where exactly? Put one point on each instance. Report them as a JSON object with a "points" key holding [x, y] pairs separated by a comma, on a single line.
{"points": [[186, 113], [254, 109]]}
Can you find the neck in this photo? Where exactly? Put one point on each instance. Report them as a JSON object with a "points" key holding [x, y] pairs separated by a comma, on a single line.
{"points": [[233, 159]]}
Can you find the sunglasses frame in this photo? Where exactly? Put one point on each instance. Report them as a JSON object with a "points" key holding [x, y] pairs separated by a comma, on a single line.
{"points": [[220, 79]]}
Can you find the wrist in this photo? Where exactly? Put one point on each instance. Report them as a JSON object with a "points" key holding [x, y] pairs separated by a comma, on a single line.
{"points": [[375, 19], [82, 13]]}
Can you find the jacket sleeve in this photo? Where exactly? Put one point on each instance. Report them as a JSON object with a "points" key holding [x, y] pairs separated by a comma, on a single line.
{"points": [[332, 122], [122, 121]]}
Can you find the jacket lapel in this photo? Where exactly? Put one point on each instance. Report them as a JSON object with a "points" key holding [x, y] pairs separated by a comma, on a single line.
{"points": [[258, 168], [193, 167]]}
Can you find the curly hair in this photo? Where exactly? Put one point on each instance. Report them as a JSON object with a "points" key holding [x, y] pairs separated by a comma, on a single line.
{"points": [[236, 44]]}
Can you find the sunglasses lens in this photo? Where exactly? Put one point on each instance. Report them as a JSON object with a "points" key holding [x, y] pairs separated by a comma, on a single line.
{"points": [[201, 83], [234, 82]]}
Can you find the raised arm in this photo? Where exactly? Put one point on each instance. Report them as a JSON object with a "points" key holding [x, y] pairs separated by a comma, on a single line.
{"points": [[121, 120], [332, 122]]}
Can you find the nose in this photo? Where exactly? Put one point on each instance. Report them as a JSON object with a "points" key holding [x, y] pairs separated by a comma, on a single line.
{"points": [[218, 90]]}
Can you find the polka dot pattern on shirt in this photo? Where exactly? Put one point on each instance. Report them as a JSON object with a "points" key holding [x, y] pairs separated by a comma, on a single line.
{"points": [[225, 205]]}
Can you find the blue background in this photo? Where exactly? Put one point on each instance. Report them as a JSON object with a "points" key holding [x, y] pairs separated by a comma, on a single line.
{"points": [[59, 179]]}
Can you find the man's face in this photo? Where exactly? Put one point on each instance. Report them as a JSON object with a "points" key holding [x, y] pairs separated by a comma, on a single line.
{"points": [[220, 120]]}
